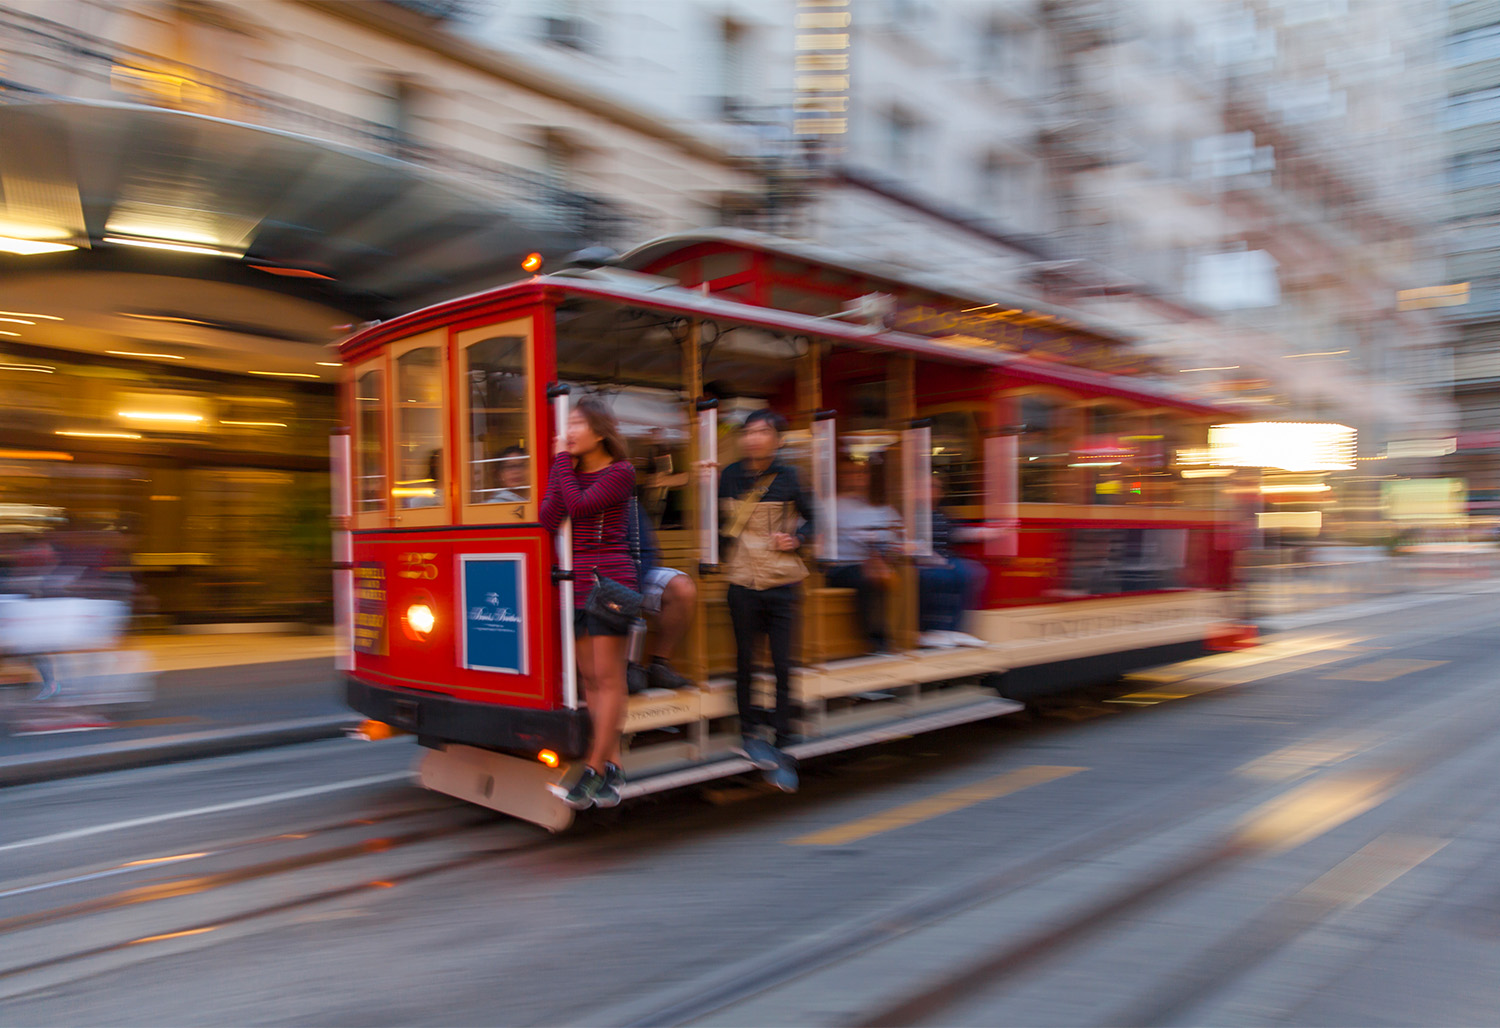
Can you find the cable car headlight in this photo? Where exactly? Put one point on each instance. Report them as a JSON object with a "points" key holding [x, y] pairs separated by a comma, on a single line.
{"points": [[420, 619]]}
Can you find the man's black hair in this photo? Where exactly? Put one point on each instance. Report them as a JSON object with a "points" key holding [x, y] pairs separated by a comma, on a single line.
{"points": [[770, 417]]}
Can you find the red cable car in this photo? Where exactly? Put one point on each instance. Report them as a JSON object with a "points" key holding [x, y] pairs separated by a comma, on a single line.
{"points": [[1102, 550]]}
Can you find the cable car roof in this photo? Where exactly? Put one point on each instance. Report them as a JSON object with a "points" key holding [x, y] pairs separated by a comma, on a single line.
{"points": [[632, 289]]}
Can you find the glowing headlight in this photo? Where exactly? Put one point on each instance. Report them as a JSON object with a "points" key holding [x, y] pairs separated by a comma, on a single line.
{"points": [[420, 617]]}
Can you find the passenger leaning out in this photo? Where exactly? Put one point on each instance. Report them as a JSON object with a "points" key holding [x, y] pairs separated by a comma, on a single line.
{"points": [[591, 484], [867, 538]]}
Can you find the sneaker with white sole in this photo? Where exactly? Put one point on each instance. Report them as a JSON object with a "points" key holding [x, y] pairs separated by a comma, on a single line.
{"points": [[965, 639], [936, 641], [581, 792], [609, 791], [784, 775]]}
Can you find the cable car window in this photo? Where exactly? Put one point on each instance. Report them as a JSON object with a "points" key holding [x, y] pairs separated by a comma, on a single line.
{"points": [[419, 428], [369, 441], [500, 464], [1045, 451], [956, 456]]}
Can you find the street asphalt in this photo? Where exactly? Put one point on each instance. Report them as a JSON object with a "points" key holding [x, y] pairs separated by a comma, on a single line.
{"points": [[1304, 833]]}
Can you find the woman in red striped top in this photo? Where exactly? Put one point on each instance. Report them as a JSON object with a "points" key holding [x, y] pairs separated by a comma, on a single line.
{"points": [[591, 485]]}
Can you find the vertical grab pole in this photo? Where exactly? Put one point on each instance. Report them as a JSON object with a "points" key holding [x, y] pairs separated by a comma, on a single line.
{"points": [[557, 392], [708, 485], [343, 549], [916, 454], [825, 483]]}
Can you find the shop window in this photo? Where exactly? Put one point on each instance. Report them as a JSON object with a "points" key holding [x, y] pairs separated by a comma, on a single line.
{"points": [[369, 441], [419, 428], [501, 469]]}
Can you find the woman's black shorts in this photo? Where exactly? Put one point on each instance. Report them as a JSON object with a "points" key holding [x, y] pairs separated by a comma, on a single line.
{"points": [[585, 623]]}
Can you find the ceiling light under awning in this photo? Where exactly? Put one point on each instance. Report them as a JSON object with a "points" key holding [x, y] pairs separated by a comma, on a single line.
{"points": [[173, 245]]}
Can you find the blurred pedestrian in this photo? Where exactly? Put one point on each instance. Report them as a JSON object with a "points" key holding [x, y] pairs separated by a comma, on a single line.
{"points": [[766, 518], [591, 484]]}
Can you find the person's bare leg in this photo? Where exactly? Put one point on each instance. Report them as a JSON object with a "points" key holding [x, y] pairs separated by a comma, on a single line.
{"points": [[607, 702], [586, 683], [677, 601]]}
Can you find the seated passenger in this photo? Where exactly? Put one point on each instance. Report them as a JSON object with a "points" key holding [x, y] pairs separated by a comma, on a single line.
{"points": [[950, 584], [515, 476], [669, 598], [867, 536]]}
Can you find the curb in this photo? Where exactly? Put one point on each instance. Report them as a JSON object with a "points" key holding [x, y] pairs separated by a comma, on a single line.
{"points": [[118, 756]]}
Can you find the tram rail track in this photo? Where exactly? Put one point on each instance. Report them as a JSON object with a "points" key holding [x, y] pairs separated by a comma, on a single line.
{"points": [[850, 940]]}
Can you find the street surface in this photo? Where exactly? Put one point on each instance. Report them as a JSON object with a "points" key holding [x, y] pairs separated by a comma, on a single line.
{"points": [[1302, 833]]}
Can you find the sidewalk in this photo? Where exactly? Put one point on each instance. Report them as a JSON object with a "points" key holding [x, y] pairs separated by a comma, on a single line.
{"points": [[213, 694]]}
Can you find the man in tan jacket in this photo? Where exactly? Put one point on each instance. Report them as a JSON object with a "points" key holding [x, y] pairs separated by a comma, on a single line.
{"points": [[766, 518]]}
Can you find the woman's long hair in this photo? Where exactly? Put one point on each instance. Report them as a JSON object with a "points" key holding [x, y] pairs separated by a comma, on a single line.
{"points": [[602, 423]]}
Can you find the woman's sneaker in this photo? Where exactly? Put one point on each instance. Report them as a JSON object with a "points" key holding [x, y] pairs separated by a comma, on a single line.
{"points": [[609, 792], [581, 793]]}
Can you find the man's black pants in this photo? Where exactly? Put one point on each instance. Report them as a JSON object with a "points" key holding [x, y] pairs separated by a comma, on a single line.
{"points": [[772, 613]]}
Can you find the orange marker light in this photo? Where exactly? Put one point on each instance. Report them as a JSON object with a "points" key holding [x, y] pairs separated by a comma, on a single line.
{"points": [[532, 263], [547, 757]]}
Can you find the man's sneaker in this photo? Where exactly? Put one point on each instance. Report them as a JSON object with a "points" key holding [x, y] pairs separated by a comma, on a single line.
{"points": [[664, 676], [936, 641], [637, 678], [609, 791], [965, 639], [582, 791], [762, 754], [784, 775]]}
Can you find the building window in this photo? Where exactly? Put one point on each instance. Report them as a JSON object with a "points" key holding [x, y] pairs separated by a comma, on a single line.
{"points": [[1473, 108], [1481, 44], [902, 140], [564, 24]]}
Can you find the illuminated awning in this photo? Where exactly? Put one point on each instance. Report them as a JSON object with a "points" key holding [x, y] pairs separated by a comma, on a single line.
{"points": [[384, 234]]}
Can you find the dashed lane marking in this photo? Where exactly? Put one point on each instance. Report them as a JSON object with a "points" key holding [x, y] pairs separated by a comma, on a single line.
{"points": [[1382, 670], [936, 806]]}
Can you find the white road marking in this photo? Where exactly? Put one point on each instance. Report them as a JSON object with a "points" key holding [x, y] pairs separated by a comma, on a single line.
{"points": [[217, 808]]}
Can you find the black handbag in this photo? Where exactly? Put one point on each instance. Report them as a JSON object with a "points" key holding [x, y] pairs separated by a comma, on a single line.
{"points": [[613, 603]]}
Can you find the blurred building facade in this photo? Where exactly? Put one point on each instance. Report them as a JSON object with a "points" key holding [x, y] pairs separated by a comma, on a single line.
{"points": [[197, 199], [1249, 186], [1472, 124]]}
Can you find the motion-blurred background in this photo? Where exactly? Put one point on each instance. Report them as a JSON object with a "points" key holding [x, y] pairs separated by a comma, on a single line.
{"points": [[1293, 205]]}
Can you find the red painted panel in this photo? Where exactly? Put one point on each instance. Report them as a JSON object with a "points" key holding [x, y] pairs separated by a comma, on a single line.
{"points": [[423, 567]]}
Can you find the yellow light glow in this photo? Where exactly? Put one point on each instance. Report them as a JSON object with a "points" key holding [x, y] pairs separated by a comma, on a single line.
{"points": [[168, 244], [408, 492], [23, 314], [79, 434], [18, 321], [532, 263], [420, 617], [548, 757], [824, 41], [285, 374], [824, 20], [328, 364], [1206, 472], [148, 415], [35, 455], [30, 247], [16, 334], [132, 353], [1289, 446], [1095, 464], [1280, 490], [255, 424], [821, 126], [40, 369]]}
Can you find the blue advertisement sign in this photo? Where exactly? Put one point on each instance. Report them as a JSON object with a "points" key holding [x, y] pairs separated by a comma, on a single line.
{"points": [[494, 598]]}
